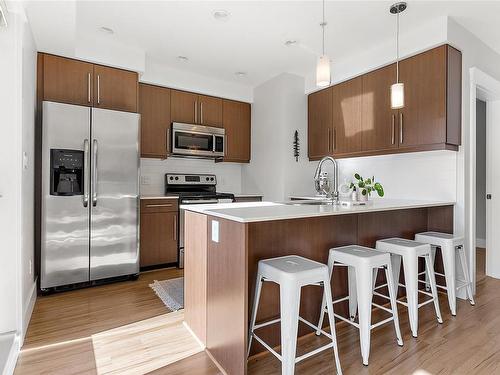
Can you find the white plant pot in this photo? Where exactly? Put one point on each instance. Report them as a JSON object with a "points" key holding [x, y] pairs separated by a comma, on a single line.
{"points": [[361, 197]]}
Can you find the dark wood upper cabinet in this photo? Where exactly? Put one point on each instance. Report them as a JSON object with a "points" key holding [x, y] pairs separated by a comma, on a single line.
{"points": [[210, 111], [184, 107], [380, 122], [236, 121], [346, 115], [77, 82], [67, 81], [115, 89], [154, 107], [365, 124], [320, 123], [422, 121]]}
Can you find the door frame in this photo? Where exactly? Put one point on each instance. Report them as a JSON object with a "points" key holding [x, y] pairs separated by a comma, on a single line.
{"points": [[486, 88]]}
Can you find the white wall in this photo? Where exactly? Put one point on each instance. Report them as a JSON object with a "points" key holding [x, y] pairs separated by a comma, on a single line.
{"points": [[17, 106], [153, 173], [481, 173], [280, 107]]}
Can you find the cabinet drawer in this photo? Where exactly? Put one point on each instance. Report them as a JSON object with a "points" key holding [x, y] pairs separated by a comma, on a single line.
{"points": [[159, 205]]}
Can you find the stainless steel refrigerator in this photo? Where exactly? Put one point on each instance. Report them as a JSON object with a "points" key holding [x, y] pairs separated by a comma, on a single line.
{"points": [[90, 194]]}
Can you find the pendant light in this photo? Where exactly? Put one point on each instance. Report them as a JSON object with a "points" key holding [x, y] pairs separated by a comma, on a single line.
{"points": [[397, 89], [323, 77]]}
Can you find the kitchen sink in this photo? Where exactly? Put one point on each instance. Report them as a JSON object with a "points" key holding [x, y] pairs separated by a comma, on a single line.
{"points": [[311, 203]]}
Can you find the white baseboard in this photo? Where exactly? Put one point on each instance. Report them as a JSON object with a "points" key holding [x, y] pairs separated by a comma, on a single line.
{"points": [[481, 242], [10, 364], [30, 305]]}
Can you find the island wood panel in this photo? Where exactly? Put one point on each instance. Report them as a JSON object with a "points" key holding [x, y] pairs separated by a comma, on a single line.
{"points": [[309, 237], [312, 238], [227, 318], [195, 274]]}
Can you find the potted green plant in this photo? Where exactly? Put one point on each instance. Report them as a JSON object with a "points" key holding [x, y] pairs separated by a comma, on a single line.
{"points": [[365, 187]]}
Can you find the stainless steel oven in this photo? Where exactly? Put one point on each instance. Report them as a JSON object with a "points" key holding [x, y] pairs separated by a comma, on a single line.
{"points": [[197, 140]]}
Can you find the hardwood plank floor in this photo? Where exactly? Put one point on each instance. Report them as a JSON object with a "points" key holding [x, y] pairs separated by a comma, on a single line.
{"points": [[58, 340]]}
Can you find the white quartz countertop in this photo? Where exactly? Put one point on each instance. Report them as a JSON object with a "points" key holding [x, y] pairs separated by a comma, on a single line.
{"points": [[247, 195], [267, 211], [159, 196]]}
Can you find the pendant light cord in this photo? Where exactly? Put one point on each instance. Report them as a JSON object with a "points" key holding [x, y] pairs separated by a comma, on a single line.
{"points": [[323, 27], [397, 47]]}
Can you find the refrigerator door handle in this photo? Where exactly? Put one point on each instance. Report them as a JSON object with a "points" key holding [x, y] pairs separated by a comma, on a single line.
{"points": [[94, 173], [86, 176]]}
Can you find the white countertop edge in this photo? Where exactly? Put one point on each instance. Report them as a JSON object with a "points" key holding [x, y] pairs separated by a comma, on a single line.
{"points": [[243, 195], [159, 197], [347, 211]]}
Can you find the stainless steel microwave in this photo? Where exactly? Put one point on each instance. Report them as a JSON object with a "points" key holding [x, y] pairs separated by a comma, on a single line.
{"points": [[197, 140]]}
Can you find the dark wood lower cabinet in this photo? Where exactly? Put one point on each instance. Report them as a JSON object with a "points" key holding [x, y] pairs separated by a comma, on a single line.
{"points": [[158, 233]]}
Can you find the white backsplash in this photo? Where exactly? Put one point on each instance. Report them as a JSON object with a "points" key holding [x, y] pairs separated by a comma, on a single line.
{"points": [[153, 173]]}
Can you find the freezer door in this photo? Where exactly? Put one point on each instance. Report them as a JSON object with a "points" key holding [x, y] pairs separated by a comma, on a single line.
{"points": [[114, 246], [65, 219]]}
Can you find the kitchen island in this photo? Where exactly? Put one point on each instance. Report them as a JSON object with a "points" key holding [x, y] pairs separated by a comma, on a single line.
{"points": [[223, 244]]}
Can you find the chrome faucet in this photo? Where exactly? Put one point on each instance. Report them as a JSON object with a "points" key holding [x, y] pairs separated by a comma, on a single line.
{"points": [[335, 194]]}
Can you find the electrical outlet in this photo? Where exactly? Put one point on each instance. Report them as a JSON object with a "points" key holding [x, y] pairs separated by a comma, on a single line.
{"points": [[215, 231], [145, 180]]}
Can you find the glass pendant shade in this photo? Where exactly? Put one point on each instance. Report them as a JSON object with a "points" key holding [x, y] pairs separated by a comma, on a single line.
{"points": [[397, 95], [323, 77]]}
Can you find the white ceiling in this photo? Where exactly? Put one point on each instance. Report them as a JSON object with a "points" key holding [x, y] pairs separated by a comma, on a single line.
{"points": [[252, 39]]}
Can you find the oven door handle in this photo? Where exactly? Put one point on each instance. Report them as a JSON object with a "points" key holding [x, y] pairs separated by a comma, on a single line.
{"points": [[199, 201]]}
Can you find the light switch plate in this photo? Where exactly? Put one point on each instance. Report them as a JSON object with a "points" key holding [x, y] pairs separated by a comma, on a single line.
{"points": [[215, 231]]}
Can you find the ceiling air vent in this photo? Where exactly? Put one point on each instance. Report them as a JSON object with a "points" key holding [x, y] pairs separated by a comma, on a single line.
{"points": [[3, 14]]}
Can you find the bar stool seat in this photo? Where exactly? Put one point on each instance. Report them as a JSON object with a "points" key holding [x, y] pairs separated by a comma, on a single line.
{"points": [[450, 245], [407, 252], [291, 273], [363, 264]]}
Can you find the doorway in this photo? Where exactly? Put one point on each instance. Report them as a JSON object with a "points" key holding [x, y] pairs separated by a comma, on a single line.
{"points": [[480, 190], [483, 182]]}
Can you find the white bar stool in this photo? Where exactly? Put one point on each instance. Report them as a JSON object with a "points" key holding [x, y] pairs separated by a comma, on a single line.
{"points": [[365, 263], [449, 245], [291, 273], [409, 251]]}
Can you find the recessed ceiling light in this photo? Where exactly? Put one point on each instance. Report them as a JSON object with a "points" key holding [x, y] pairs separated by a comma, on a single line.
{"points": [[182, 58], [290, 43], [221, 15], [107, 30], [240, 74]]}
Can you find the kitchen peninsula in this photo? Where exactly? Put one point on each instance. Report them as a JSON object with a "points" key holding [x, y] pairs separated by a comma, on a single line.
{"points": [[225, 242]]}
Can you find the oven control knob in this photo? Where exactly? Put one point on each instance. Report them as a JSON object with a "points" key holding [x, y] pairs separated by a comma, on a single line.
{"points": [[176, 178], [211, 179], [171, 178], [206, 178]]}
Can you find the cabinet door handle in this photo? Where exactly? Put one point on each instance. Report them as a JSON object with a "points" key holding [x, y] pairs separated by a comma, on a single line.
{"points": [[401, 127], [175, 227], [195, 111], [393, 136], [88, 88], [98, 89], [167, 141], [334, 139], [329, 140], [159, 205], [201, 113]]}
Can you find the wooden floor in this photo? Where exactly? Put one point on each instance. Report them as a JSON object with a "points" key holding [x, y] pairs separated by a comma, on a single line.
{"points": [[59, 337]]}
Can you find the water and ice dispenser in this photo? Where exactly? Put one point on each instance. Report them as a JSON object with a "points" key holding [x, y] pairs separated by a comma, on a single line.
{"points": [[66, 172]]}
